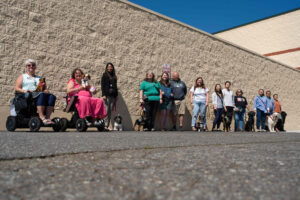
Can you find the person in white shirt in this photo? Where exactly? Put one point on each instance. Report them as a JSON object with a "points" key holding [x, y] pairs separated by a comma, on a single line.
{"points": [[199, 100], [228, 100], [217, 100]]}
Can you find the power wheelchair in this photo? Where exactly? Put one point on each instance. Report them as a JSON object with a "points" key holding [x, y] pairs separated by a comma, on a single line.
{"points": [[23, 114], [76, 122]]}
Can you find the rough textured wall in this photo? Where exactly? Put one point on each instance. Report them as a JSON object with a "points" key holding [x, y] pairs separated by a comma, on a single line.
{"points": [[64, 34]]}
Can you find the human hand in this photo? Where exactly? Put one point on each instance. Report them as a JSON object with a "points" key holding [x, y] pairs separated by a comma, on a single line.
{"points": [[104, 97], [46, 91], [141, 101], [206, 104], [160, 101]]}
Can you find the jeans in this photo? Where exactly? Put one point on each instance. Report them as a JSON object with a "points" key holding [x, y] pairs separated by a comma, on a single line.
{"points": [[260, 119], [109, 102], [151, 109], [45, 99], [239, 119], [218, 117], [198, 107]]}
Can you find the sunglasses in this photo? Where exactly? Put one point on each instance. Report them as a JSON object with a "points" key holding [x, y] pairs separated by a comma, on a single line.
{"points": [[30, 65]]}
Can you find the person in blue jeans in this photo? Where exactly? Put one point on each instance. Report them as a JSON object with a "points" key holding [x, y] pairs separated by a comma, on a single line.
{"points": [[218, 103], [240, 106], [260, 107], [199, 101], [270, 103]]}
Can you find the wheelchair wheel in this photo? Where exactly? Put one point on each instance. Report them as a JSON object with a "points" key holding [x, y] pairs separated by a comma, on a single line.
{"points": [[81, 125], [35, 124], [101, 127], [56, 127], [63, 124], [11, 123]]}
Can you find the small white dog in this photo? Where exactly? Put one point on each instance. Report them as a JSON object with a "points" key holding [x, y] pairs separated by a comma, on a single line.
{"points": [[272, 121], [118, 123], [85, 80]]}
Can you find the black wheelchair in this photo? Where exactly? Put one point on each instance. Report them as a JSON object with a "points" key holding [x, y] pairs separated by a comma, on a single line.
{"points": [[23, 114], [80, 124]]}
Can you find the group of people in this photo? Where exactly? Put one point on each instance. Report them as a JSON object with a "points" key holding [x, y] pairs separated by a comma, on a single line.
{"points": [[167, 94], [90, 108]]}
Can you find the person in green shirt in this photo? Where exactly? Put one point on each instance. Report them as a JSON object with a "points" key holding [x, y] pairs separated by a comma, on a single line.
{"points": [[151, 97]]}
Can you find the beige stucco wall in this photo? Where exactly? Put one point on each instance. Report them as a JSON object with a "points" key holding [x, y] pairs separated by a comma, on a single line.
{"points": [[64, 34]]}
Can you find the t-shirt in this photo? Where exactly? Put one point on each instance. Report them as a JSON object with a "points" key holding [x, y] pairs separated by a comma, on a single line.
{"points": [[240, 101], [199, 94], [228, 98], [151, 90]]}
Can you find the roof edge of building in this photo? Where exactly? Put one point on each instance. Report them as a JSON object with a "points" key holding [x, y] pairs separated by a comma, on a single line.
{"points": [[205, 33], [255, 21]]}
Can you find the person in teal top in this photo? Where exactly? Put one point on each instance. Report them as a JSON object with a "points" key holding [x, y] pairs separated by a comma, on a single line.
{"points": [[151, 97]]}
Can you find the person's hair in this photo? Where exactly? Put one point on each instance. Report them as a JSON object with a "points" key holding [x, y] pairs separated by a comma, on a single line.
{"points": [[236, 93], [275, 95], [219, 92], [268, 91], [153, 77], [165, 82], [29, 61], [202, 85], [113, 73], [227, 82], [74, 71], [261, 89]]}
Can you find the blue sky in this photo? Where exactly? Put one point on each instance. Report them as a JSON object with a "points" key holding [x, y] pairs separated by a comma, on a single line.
{"points": [[216, 15]]}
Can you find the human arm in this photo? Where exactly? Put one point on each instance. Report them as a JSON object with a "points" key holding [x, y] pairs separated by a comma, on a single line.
{"points": [[255, 104], [70, 87], [141, 96], [160, 96], [214, 100], [18, 85], [207, 98]]}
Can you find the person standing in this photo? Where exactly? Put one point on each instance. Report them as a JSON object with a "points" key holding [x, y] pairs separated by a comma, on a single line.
{"points": [[167, 97], [179, 106], [240, 105], [260, 107], [199, 101], [277, 108], [228, 101], [109, 91], [217, 100], [151, 97], [270, 103]]}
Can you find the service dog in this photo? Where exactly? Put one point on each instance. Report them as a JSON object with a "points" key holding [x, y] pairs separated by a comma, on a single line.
{"points": [[226, 120], [140, 122], [272, 120], [118, 123], [85, 80], [249, 127]]}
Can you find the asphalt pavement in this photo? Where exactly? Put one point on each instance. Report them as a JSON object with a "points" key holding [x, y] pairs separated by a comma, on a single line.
{"points": [[151, 165]]}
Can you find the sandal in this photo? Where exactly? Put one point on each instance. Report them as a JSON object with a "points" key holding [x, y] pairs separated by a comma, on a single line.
{"points": [[47, 121]]}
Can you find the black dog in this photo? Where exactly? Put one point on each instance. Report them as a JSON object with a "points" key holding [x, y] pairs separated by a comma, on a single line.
{"points": [[226, 120], [280, 123], [249, 127]]}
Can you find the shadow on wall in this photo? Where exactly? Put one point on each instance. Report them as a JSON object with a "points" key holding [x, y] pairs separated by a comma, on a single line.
{"points": [[123, 111], [187, 120]]}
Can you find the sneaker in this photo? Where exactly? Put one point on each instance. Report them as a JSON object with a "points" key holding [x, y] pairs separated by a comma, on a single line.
{"points": [[194, 129], [145, 129], [152, 129]]}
